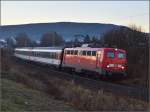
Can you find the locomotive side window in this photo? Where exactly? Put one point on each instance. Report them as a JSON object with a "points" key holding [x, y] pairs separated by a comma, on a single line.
{"points": [[93, 53], [120, 55], [68, 51], [110, 54], [84, 53], [72, 52], [75, 52], [88, 53]]}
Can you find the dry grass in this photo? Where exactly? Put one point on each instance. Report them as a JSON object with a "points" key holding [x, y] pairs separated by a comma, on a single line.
{"points": [[84, 99]]}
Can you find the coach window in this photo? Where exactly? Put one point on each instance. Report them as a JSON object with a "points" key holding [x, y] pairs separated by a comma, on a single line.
{"points": [[56, 55], [39, 54], [50, 54], [53, 55], [43, 54], [47, 54], [88, 53], [93, 53], [35, 54]]}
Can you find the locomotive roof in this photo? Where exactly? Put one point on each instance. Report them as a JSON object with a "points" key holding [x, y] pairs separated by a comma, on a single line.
{"points": [[84, 48], [95, 49]]}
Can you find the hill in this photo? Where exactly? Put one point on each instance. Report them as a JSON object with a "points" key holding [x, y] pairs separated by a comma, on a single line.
{"points": [[66, 29]]}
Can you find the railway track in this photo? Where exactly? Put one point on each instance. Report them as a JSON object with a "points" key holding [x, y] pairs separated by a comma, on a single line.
{"points": [[140, 93]]}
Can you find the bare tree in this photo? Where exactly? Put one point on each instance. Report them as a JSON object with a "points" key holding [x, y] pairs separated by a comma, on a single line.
{"points": [[51, 39], [87, 39], [22, 40]]}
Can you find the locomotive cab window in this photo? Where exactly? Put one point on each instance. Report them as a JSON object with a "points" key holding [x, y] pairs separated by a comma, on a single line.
{"points": [[110, 54], [88, 53], [93, 53], [120, 55]]}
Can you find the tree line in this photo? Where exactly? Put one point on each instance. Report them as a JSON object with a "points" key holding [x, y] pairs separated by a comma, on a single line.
{"points": [[48, 39]]}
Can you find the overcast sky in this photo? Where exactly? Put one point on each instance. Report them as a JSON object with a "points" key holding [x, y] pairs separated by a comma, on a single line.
{"points": [[114, 12]]}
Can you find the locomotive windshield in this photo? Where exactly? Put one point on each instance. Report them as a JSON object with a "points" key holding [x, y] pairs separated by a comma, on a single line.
{"points": [[110, 54], [120, 55]]}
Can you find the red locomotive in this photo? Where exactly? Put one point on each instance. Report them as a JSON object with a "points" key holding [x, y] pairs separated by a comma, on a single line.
{"points": [[104, 61]]}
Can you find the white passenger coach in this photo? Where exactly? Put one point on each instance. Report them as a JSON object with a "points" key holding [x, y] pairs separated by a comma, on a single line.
{"points": [[47, 55]]}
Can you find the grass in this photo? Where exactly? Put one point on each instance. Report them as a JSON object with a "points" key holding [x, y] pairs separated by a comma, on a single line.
{"points": [[18, 97], [84, 99]]}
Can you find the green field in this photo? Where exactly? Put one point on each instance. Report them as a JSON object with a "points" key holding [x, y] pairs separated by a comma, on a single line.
{"points": [[19, 97]]}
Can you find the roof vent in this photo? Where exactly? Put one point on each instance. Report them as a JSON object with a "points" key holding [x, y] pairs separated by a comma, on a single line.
{"points": [[85, 45]]}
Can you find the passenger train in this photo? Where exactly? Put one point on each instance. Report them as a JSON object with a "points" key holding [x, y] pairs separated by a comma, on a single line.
{"points": [[103, 61]]}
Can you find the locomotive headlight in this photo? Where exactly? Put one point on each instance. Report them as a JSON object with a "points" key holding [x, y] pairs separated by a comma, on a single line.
{"points": [[108, 66], [122, 67]]}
